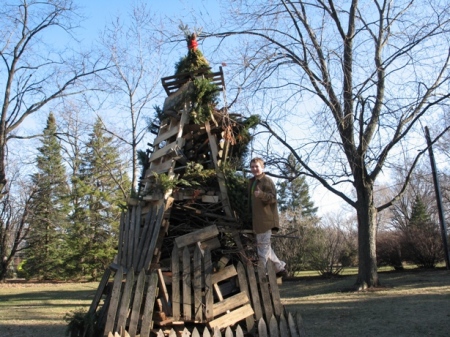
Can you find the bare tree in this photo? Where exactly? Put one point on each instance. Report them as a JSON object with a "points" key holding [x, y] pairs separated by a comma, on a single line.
{"points": [[343, 86], [36, 70], [14, 214], [134, 79]]}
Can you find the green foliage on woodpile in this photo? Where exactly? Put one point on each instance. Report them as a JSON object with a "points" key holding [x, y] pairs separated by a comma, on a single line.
{"points": [[198, 176], [238, 195], [204, 99], [194, 61]]}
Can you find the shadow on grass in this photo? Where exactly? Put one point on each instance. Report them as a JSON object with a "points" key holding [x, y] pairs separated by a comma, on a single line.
{"points": [[408, 304]]}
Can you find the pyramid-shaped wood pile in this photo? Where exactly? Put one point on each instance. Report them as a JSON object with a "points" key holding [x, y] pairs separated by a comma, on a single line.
{"points": [[183, 258]]}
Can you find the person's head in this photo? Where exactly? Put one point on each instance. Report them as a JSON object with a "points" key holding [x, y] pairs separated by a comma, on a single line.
{"points": [[257, 166]]}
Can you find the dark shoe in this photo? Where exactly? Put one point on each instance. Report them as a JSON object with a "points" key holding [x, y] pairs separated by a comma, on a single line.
{"points": [[282, 273]]}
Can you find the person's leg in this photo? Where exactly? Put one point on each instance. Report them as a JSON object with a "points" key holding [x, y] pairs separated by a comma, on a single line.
{"points": [[265, 251]]}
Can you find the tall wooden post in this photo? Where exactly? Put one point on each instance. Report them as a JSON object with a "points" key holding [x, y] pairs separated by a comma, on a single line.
{"points": [[438, 199]]}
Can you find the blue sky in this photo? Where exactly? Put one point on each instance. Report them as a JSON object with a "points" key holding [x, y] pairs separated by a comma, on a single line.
{"points": [[99, 12]]}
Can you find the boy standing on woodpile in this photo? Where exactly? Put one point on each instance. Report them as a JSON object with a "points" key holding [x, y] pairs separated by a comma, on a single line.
{"points": [[264, 208]]}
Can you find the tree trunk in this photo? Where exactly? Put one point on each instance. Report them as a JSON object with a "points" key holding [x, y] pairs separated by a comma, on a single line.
{"points": [[367, 231]]}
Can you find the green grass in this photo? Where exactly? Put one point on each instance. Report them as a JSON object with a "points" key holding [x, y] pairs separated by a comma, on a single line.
{"points": [[410, 303], [38, 309]]}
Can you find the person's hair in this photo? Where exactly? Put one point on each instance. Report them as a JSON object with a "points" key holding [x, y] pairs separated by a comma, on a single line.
{"points": [[257, 160]]}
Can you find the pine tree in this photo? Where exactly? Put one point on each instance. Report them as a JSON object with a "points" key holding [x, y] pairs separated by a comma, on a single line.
{"points": [[422, 244], [293, 194], [50, 208], [99, 189]]}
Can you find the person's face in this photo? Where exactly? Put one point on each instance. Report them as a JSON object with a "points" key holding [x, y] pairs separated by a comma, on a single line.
{"points": [[256, 168]]}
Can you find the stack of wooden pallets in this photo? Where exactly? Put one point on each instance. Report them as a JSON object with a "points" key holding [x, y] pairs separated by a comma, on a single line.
{"points": [[189, 267]]}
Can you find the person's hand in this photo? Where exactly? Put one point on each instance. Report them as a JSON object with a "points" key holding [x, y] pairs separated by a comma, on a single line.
{"points": [[257, 192]]}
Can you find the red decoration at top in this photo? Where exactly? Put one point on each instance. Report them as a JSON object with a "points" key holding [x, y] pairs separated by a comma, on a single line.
{"points": [[193, 44]]}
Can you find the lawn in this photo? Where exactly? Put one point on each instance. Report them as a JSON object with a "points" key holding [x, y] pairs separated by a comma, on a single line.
{"points": [[410, 303]]}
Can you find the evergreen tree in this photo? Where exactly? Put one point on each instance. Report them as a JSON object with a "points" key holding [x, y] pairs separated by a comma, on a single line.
{"points": [[293, 194], [422, 243], [50, 207], [100, 189]]}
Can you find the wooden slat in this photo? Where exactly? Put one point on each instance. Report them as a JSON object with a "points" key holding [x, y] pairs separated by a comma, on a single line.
{"points": [[137, 302], [284, 330], [254, 290], [187, 297], [125, 301], [145, 233], [170, 150], [99, 292], [209, 299], [147, 315], [230, 303], [137, 233], [292, 326], [159, 167], [264, 287], [130, 241], [115, 297], [151, 216], [176, 295], [274, 290], [223, 274], [243, 285], [198, 285], [273, 327], [232, 318], [203, 234], [163, 294], [262, 328], [220, 176], [156, 228], [121, 235]]}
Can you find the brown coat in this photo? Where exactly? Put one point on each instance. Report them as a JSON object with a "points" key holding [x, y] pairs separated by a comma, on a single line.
{"points": [[264, 208]]}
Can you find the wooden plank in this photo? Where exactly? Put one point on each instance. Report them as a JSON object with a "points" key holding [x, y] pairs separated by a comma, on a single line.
{"points": [[159, 167], [292, 326], [156, 228], [224, 274], [262, 328], [123, 262], [145, 235], [176, 294], [300, 325], [130, 250], [187, 296], [284, 331], [150, 223], [99, 292], [243, 285], [273, 327], [137, 302], [230, 303], [163, 294], [254, 290], [198, 285], [147, 323], [125, 301], [115, 297], [264, 287], [170, 150], [220, 176], [203, 234], [121, 235], [137, 233], [274, 290], [209, 299], [232, 318]]}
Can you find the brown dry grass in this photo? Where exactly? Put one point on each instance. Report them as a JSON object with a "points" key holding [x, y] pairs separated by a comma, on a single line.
{"points": [[411, 303]]}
